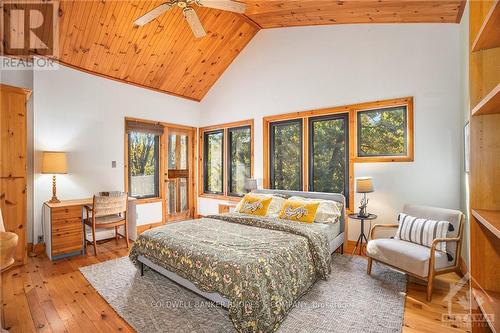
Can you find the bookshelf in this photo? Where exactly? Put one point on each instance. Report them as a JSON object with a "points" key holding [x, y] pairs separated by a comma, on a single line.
{"points": [[484, 177]]}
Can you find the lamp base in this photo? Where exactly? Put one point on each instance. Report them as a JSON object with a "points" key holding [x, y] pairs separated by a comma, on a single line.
{"points": [[54, 200]]}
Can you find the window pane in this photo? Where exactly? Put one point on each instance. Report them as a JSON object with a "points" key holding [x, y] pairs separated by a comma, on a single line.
{"points": [[328, 160], [240, 159], [286, 155], [143, 164], [213, 161], [382, 132], [177, 151]]}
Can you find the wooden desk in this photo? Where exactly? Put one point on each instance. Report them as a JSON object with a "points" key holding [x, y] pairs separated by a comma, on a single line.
{"points": [[63, 229]]}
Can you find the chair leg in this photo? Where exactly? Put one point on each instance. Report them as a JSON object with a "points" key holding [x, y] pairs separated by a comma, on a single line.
{"points": [[126, 234], [93, 239], [429, 285], [116, 234], [342, 248], [369, 268], [84, 240]]}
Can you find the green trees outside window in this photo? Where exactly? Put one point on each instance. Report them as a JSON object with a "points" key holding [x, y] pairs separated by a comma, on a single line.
{"points": [[382, 132], [143, 154]]}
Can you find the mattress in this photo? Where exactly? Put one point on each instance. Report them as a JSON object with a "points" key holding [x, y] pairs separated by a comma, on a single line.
{"points": [[331, 230]]}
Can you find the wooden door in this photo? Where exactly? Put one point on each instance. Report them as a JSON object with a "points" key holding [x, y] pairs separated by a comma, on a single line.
{"points": [[13, 205], [179, 174]]}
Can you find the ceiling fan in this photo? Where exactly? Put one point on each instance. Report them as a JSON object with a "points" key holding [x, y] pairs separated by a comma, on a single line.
{"points": [[190, 13]]}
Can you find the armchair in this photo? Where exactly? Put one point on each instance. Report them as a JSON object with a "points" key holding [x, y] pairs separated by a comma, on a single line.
{"points": [[417, 260]]}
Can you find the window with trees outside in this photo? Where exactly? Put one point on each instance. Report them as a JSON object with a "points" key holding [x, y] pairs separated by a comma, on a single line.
{"points": [[316, 150], [214, 162], [382, 132], [227, 153], [143, 160], [286, 155]]}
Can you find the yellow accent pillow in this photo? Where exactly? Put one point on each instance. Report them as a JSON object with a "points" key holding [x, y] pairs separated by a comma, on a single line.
{"points": [[254, 205], [301, 211]]}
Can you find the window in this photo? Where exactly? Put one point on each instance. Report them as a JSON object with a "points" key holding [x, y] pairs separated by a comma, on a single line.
{"points": [[143, 161], [316, 150], [214, 164], [286, 155], [329, 154], [382, 132], [227, 153], [239, 158]]}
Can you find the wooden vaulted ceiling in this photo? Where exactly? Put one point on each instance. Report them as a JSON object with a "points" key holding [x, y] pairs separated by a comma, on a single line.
{"points": [[99, 36]]}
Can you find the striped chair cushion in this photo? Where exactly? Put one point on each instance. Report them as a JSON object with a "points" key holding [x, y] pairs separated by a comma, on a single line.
{"points": [[422, 231]]}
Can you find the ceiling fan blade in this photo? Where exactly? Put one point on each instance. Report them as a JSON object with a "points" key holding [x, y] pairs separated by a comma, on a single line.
{"points": [[228, 5], [152, 14], [194, 22]]}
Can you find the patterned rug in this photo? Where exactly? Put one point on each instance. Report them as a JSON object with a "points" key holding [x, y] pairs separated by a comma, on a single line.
{"points": [[350, 301]]}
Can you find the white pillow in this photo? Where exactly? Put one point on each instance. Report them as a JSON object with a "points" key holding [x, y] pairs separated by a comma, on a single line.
{"points": [[422, 231], [329, 211], [274, 208]]}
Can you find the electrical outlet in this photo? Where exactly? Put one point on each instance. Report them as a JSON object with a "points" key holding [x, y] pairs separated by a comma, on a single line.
{"points": [[113, 164], [40, 239]]}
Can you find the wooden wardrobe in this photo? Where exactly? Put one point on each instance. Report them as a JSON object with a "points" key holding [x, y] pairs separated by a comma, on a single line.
{"points": [[484, 178], [13, 168]]}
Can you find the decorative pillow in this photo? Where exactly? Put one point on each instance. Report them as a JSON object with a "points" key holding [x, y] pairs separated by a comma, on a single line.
{"points": [[329, 211], [254, 205], [273, 209], [422, 231], [299, 210]]}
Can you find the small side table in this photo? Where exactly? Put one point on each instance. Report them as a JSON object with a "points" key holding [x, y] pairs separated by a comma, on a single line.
{"points": [[226, 207], [362, 233]]}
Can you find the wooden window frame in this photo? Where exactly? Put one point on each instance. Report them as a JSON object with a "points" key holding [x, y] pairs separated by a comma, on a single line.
{"points": [[163, 142], [351, 110], [201, 174], [204, 166], [345, 117], [409, 139], [271, 148]]}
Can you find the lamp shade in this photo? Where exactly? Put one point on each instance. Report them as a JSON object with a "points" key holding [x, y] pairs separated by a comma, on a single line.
{"points": [[250, 184], [54, 162], [364, 185]]}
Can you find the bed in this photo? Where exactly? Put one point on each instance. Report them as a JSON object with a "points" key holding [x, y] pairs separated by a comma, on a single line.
{"points": [[257, 267]]}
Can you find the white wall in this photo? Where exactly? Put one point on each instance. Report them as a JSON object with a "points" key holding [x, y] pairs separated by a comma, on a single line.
{"points": [[296, 69], [83, 115]]}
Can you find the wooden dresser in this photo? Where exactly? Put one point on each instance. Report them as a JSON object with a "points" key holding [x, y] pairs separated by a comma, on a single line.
{"points": [[63, 227], [13, 166]]}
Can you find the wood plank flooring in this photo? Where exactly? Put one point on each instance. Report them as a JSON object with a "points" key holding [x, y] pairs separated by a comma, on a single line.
{"points": [[45, 296]]}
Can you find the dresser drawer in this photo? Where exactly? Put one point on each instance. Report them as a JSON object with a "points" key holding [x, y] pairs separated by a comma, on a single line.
{"points": [[66, 213], [67, 241], [63, 224]]}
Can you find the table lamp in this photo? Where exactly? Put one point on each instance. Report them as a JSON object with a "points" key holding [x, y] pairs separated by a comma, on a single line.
{"points": [[364, 185], [250, 184], [54, 162]]}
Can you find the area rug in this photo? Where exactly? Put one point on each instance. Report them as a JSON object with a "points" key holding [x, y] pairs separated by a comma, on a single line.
{"points": [[350, 301]]}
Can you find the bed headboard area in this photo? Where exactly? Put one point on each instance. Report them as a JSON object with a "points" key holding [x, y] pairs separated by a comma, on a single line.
{"points": [[312, 195]]}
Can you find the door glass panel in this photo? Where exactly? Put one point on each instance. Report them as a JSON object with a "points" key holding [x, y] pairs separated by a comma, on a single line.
{"points": [[171, 196], [177, 151], [177, 175]]}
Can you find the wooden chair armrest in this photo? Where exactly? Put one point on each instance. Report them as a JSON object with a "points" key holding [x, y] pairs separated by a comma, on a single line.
{"points": [[382, 226], [87, 208], [439, 240]]}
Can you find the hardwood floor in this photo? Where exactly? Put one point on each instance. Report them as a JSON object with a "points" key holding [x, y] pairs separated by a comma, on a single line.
{"points": [[45, 296]]}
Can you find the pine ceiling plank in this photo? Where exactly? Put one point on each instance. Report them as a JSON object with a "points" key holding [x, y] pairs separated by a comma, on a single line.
{"points": [[102, 29], [72, 15], [85, 30], [112, 61], [269, 14]]}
